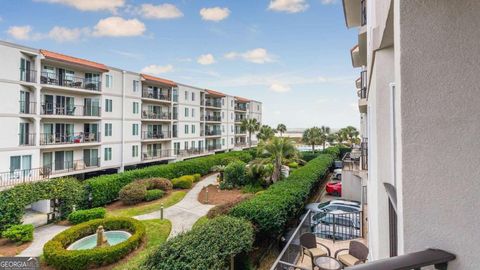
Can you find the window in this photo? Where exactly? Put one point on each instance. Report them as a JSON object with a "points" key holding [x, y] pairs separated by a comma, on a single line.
{"points": [[24, 136], [223, 142], [193, 129], [108, 81], [186, 95], [135, 107], [231, 116], [186, 112], [223, 101], [185, 145], [232, 104], [193, 112], [108, 105], [135, 129], [134, 150], [21, 164], [136, 86], [193, 144], [108, 154], [186, 129], [193, 96], [231, 128], [223, 115], [108, 129], [223, 129], [231, 141]]}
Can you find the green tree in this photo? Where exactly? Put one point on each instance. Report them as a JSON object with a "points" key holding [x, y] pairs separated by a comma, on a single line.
{"points": [[251, 126], [282, 129], [312, 136], [325, 132], [277, 151], [265, 133], [349, 134]]}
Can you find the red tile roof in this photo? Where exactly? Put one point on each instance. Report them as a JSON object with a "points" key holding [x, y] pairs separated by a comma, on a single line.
{"points": [[159, 80], [215, 93], [73, 60], [242, 99]]}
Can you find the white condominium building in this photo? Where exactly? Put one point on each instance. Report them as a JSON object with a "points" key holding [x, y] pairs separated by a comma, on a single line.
{"points": [[63, 115]]}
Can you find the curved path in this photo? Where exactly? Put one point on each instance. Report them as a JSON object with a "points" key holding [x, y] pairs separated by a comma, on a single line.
{"points": [[40, 237], [186, 212]]}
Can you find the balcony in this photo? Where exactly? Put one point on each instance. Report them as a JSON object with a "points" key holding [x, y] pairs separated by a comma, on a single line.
{"points": [[213, 118], [27, 107], [28, 75], [239, 119], [156, 154], [364, 153], [65, 138], [156, 135], [52, 109], [363, 12], [26, 139], [362, 93], [241, 144], [92, 84], [156, 95], [216, 103], [353, 12], [151, 115], [190, 152], [213, 132], [241, 107], [213, 147]]}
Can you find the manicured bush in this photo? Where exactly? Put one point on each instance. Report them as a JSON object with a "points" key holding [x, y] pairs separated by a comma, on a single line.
{"points": [[197, 177], [270, 210], [183, 182], [56, 254], [154, 194], [133, 193], [19, 233], [235, 174], [104, 189], [207, 246], [224, 208], [13, 201], [80, 216], [158, 183], [293, 165]]}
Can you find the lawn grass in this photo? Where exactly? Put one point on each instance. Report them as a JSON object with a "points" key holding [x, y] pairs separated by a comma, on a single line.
{"points": [[199, 222], [169, 200], [157, 232]]}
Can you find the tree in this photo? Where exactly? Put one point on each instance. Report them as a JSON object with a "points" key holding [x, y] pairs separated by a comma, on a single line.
{"points": [[282, 129], [265, 133], [250, 125], [349, 134], [277, 151], [332, 138], [312, 136], [325, 132]]}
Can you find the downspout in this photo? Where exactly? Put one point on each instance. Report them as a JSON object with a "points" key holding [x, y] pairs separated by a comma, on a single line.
{"points": [[122, 161]]}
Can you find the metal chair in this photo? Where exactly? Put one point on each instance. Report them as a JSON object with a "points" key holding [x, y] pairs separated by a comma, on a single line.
{"points": [[357, 254], [310, 247]]}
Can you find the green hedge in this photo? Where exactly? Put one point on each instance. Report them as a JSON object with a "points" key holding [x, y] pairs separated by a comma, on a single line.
{"points": [[183, 182], [80, 216], [56, 254], [154, 194], [270, 210], [105, 188], [13, 201], [19, 233], [207, 246]]}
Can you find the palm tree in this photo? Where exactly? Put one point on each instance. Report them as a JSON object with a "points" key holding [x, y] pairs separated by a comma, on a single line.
{"points": [[312, 136], [282, 129], [251, 126], [332, 138], [349, 134], [277, 151], [325, 132], [265, 133]]}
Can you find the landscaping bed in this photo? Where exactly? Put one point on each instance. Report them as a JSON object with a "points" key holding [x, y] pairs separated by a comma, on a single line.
{"points": [[218, 196], [9, 248]]}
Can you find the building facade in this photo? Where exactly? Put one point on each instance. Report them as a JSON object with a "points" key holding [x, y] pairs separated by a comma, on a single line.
{"points": [[64, 115], [418, 100]]}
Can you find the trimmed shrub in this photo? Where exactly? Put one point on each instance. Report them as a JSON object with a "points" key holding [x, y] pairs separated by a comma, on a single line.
{"points": [[235, 174], [56, 254], [158, 183], [207, 246], [154, 194], [105, 189], [224, 208], [197, 177], [19, 233], [183, 182], [293, 165], [86, 215], [270, 210], [13, 201], [133, 193]]}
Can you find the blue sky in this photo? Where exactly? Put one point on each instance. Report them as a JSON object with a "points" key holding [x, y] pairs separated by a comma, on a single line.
{"points": [[293, 55]]}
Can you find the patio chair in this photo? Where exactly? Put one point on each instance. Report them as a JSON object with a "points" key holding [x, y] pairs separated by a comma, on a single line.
{"points": [[357, 254], [311, 247]]}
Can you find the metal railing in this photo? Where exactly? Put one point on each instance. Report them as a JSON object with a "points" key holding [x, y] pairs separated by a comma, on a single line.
{"points": [[72, 166], [155, 95], [28, 107], [363, 10], [213, 118], [213, 147], [190, 152], [93, 84], [241, 107], [239, 119], [149, 135], [156, 115], [26, 139], [213, 103], [338, 227], [240, 144], [364, 153], [213, 132], [362, 93], [75, 110], [28, 75], [65, 138], [157, 154], [240, 132]]}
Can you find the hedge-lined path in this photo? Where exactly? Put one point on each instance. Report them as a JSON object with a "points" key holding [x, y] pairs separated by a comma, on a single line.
{"points": [[41, 236], [186, 212]]}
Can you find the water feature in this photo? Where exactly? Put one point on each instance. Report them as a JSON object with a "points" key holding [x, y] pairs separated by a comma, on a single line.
{"points": [[89, 242]]}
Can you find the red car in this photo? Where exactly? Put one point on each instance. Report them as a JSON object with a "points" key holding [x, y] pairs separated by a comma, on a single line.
{"points": [[334, 188]]}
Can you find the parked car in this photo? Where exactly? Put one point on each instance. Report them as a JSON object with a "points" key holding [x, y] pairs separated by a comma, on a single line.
{"points": [[330, 205], [341, 225], [337, 174], [334, 188]]}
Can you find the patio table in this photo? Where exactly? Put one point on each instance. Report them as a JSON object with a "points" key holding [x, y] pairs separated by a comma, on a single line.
{"points": [[327, 263]]}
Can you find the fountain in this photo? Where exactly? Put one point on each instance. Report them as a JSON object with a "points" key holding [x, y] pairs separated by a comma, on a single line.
{"points": [[101, 238]]}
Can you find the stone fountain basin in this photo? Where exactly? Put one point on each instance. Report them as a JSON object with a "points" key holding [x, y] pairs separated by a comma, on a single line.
{"points": [[89, 242]]}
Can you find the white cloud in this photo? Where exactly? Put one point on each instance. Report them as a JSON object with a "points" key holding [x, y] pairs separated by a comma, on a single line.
{"points": [[63, 34], [206, 59], [90, 5], [119, 27], [162, 11], [328, 2], [155, 69], [279, 87], [257, 56], [20, 32], [215, 14], [289, 6]]}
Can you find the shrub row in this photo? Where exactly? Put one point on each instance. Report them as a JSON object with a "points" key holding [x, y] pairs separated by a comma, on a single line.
{"points": [[270, 210], [80, 216], [56, 253], [337, 151], [19, 233], [207, 246], [144, 190], [104, 189]]}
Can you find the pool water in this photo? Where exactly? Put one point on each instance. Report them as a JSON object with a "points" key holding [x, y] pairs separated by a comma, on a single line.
{"points": [[89, 242]]}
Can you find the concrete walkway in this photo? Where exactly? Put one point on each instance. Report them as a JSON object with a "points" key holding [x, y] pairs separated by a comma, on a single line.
{"points": [[41, 236], [186, 212]]}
